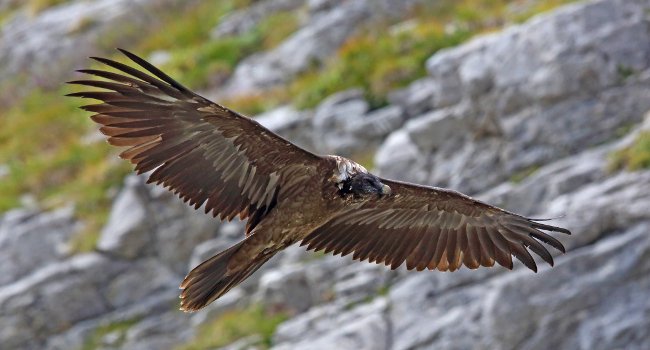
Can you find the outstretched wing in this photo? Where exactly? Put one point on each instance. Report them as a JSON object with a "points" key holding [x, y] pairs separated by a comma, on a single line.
{"points": [[204, 152], [433, 228]]}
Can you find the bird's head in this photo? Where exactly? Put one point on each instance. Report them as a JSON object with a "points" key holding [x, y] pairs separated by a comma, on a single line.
{"points": [[352, 178], [368, 184], [365, 184]]}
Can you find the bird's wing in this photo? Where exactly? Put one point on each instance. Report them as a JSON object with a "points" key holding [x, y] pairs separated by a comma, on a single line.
{"points": [[202, 151], [433, 228]]}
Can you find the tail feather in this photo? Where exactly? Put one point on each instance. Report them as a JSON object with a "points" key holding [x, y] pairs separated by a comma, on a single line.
{"points": [[211, 279]]}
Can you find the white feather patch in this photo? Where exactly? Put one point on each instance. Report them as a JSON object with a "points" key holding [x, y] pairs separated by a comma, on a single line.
{"points": [[345, 169]]}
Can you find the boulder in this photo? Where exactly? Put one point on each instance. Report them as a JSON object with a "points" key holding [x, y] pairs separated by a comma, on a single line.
{"points": [[363, 327], [30, 240], [128, 232], [54, 298], [343, 124], [333, 119], [289, 123], [416, 98], [286, 288], [142, 279]]}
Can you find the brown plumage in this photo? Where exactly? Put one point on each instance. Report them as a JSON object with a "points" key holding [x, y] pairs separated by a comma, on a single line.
{"points": [[214, 157]]}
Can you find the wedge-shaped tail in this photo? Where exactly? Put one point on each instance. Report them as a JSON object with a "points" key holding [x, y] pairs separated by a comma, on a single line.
{"points": [[214, 278]]}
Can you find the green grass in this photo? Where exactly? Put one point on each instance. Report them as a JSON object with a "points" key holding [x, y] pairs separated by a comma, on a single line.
{"points": [[234, 325], [45, 148], [624, 72], [379, 60], [634, 157], [375, 62], [277, 27], [36, 6], [522, 174], [94, 341], [199, 61]]}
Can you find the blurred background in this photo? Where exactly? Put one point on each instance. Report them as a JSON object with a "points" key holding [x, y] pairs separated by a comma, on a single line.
{"points": [[536, 106]]}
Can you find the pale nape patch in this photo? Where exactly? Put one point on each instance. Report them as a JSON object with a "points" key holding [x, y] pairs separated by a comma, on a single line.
{"points": [[345, 169]]}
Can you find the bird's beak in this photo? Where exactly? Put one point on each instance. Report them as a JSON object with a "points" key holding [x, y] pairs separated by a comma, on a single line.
{"points": [[385, 190]]}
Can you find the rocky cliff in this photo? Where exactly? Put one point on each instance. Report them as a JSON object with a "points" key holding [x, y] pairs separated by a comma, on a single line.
{"points": [[537, 118]]}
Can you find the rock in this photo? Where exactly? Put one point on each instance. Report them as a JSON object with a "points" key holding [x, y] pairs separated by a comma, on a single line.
{"points": [[246, 343], [294, 288], [316, 6], [358, 282], [235, 298], [54, 298], [286, 288], [377, 124], [333, 119], [208, 249], [128, 288], [289, 123], [430, 131], [145, 221], [526, 139], [399, 158], [128, 232], [30, 240], [545, 308], [308, 325], [166, 218], [532, 195], [343, 124], [416, 98], [295, 254], [364, 327], [164, 331], [122, 320], [603, 207], [160, 57], [455, 314]]}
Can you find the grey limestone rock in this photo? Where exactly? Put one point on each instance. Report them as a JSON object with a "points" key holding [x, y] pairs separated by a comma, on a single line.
{"points": [[30, 239]]}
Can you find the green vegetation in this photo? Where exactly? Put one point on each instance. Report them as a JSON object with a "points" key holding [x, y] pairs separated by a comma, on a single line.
{"points": [[199, 61], [376, 62], [50, 151], [36, 6], [120, 327], [380, 60], [522, 174], [634, 157], [234, 325], [382, 291], [624, 72]]}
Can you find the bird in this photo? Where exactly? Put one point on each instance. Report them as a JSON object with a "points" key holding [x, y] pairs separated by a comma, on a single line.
{"points": [[216, 158]]}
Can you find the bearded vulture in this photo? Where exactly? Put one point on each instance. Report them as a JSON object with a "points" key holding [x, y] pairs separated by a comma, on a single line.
{"points": [[231, 165]]}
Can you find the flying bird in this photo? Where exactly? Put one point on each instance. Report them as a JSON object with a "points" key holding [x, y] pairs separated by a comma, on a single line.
{"points": [[231, 165]]}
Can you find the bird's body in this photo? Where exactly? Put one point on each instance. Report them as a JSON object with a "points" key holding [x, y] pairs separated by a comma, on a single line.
{"points": [[232, 166]]}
